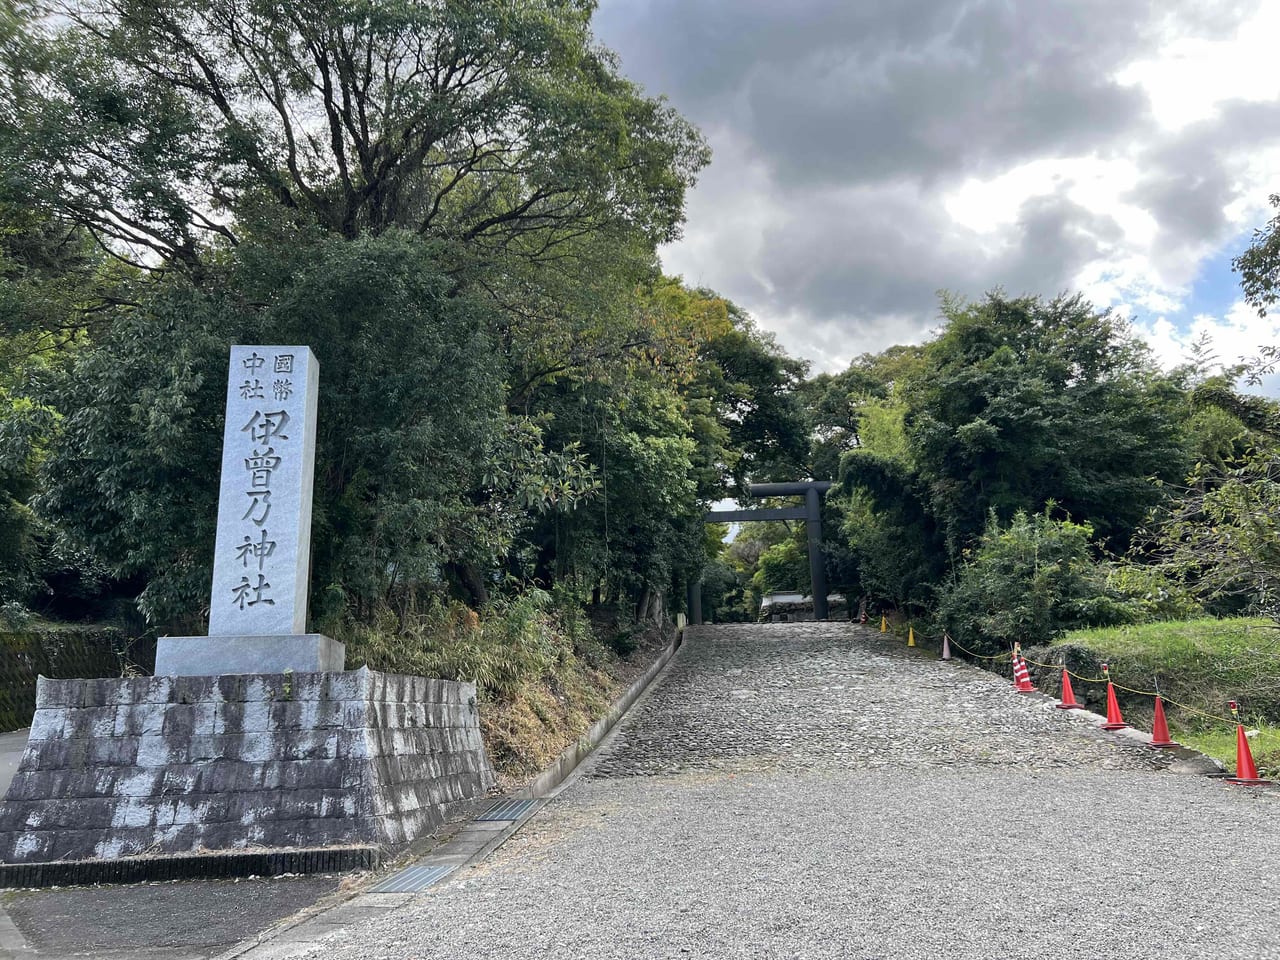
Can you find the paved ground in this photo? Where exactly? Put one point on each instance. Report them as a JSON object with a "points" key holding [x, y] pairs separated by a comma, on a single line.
{"points": [[806, 790], [11, 747], [175, 921]]}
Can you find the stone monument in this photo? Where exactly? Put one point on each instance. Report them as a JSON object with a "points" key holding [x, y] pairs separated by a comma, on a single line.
{"points": [[252, 738], [262, 555]]}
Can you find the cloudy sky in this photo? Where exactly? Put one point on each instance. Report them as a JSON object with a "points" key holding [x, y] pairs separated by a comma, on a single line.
{"points": [[869, 153]]}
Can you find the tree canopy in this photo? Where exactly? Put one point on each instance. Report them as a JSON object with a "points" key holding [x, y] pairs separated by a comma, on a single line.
{"points": [[1023, 401], [459, 205], [173, 129]]}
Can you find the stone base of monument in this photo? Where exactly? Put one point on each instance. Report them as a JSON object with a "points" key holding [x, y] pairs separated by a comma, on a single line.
{"points": [[215, 656], [192, 764]]}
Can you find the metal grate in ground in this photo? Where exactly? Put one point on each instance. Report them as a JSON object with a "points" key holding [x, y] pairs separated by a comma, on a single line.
{"points": [[413, 879], [507, 810]]}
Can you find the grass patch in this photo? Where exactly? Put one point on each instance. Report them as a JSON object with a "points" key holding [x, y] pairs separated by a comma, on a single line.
{"points": [[1198, 664], [1220, 743], [1202, 663]]}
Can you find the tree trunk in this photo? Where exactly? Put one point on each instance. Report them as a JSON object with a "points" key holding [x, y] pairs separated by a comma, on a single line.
{"points": [[642, 608], [473, 583]]}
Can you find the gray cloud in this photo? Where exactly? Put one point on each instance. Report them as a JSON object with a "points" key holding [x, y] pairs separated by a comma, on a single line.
{"points": [[1189, 178], [842, 277], [839, 126]]}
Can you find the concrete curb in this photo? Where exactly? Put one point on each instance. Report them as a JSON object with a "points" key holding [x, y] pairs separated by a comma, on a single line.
{"points": [[196, 866], [576, 752]]}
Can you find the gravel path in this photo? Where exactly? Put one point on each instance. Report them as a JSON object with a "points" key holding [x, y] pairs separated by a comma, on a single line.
{"points": [[809, 790]]}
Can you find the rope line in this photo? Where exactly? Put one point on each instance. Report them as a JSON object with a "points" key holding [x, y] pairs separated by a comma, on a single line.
{"points": [[1057, 666]]}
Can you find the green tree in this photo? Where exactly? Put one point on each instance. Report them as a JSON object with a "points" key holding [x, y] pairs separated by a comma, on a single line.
{"points": [[456, 204], [699, 398], [421, 475], [882, 537], [838, 405], [1029, 582], [1259, 266], [1025, 401], [753, 385], [53, 279], [171, 128], [1222, 534]]}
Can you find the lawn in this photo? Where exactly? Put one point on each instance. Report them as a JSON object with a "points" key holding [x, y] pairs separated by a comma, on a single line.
{"points": [[1198, 666]]}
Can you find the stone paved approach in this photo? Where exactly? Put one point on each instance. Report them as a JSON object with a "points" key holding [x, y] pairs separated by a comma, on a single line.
{"points": [[808, 790], [811, 697]]}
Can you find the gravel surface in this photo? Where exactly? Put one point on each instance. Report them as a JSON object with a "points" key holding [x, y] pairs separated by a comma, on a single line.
{"points": [[809, 790]]}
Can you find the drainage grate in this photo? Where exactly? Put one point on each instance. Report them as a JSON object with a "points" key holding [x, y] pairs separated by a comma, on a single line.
{"points": [[413, 879], [507, 810]]}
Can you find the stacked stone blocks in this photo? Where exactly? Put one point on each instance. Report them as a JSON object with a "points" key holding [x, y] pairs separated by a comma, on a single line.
{"points": [[171, 765]]}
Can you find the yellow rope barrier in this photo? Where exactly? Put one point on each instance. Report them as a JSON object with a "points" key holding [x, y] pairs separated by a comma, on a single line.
{"points": [[977, 656], [1076, 676]]}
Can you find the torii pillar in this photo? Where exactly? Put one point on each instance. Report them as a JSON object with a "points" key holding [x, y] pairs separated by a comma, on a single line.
{"points": [[810, 513]]}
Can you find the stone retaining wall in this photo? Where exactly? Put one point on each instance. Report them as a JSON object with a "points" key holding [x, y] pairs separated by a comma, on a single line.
{"points": [[172, 765]]}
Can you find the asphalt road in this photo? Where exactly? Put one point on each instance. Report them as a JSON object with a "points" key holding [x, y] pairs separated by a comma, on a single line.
{"points": [[176, 921], [11, 747]]}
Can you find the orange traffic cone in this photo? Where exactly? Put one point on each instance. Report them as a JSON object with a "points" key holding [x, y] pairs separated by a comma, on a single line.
{"points": [[946, 646], [1114, 720], [1068, 695], [1021, 675], [1160, 728], [1246, 772]]}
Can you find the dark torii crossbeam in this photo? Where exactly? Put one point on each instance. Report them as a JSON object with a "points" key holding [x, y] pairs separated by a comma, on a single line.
{"points": [[810, 513]]}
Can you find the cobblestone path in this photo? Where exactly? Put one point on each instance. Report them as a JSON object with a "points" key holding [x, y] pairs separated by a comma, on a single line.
{"points": [[811, 790], [814, 696]]}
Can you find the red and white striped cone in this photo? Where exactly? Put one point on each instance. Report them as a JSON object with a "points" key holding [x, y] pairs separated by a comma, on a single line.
{"points": [[1021, 675]]}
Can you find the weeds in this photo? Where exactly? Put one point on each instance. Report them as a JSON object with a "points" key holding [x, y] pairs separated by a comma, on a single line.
{"points": [[541, 674]]}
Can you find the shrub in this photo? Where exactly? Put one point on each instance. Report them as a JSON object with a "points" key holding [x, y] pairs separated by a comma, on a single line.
{"points": [[1150, 594], [541, 674], [1029, 582]]}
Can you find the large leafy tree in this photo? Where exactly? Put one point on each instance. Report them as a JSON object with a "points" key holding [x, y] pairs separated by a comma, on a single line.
{"points": [[453, 202], [411, 421], [837, 404], [1259, 266], [703, 401], [1025, 401], [754, 385], [1222, 534], [171, 128], [53, 281]]}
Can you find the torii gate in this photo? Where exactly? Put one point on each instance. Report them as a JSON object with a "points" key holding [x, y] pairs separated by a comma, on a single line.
{"points": [[810, 513]]}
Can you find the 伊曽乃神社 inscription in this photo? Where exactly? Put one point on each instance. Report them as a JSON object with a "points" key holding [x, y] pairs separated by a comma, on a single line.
{"points": [[262, 552]]}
